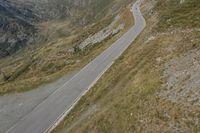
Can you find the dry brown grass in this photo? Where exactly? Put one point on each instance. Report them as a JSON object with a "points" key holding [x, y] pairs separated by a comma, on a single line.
{"points": [[53, 60], [126, 96]]}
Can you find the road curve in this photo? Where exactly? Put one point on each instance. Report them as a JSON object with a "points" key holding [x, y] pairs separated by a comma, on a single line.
{"points": [[49, 113]]}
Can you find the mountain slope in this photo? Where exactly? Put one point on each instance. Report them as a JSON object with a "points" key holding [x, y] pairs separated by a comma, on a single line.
{"points": [[55, 51], [154, 86], [20, 18], [15, 28]]}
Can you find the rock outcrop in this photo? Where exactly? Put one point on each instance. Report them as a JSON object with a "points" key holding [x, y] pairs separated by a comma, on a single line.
{"points": [[19, 18]]}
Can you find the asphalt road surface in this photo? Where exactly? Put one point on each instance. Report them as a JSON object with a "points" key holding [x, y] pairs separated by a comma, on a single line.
{"points": [[47, 114]]}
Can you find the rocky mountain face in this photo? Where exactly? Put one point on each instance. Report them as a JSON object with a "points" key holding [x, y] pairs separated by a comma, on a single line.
{"points": [[58, 9], [16, 27], [19, 18]]}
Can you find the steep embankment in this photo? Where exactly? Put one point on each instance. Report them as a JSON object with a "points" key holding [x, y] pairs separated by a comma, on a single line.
{"points": [[154, 86]]}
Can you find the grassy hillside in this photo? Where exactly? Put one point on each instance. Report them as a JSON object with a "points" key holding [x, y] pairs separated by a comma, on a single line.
{"points": [[174, 14], [54, 56], [20, 19], [130, 97]]}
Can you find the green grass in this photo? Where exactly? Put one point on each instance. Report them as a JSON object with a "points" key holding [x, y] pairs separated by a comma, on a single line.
{"points": [[124, 89], [52, 60], [173, 14], [126, 97]]}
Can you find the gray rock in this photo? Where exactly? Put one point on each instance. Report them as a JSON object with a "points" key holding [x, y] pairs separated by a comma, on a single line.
{"points": [[102, 35], [183, 79]]}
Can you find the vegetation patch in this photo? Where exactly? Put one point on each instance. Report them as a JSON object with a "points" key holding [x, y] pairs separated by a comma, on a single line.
{"points": [[52, 60], [128, 94], [174, 14]]}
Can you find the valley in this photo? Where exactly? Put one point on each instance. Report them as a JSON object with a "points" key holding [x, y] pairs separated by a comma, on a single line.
{"points": [[152, 87]]}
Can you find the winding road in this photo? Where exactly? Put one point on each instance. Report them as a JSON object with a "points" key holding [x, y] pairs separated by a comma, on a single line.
{"points": [[53, 109]]}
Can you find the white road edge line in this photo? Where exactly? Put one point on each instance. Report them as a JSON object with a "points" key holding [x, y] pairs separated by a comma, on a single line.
{"points": [[66, 112]]}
